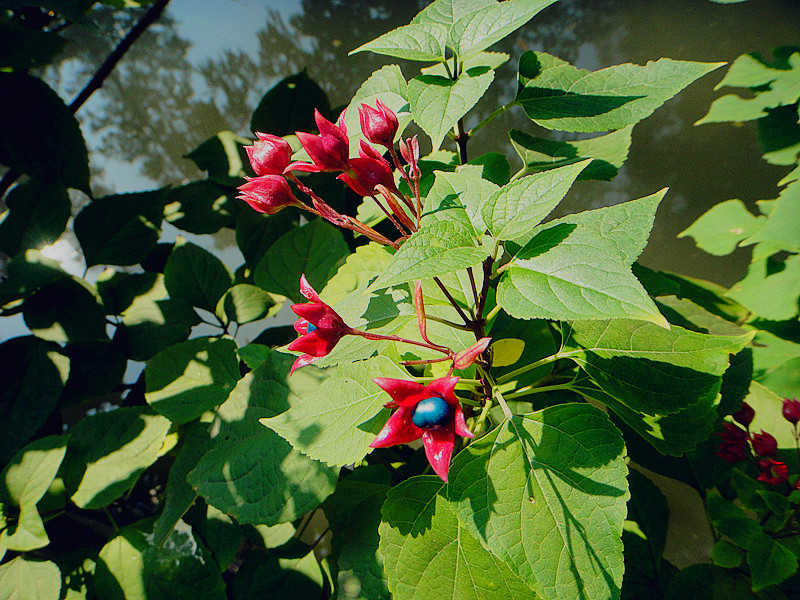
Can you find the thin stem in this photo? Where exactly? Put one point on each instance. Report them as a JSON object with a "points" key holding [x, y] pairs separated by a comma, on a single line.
{"points": [[492, 314], [461, 137], [396, 338], [390, 216], [487, 406], [463, 383], [496, 392], [448, 323], [459, 310], [491, 117], [474, 287], [534, 365], [530, 389], [110, 518]]}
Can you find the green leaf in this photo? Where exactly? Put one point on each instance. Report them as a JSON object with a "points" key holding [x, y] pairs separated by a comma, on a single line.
{"points": [[120, 566], [417, 41], [650, 369], [201, 207], [27, 399], [224, 158], [556, 95], [770, 289], [196, 276], [776, 364], [108, 451], [783, 222], [289, 106], [767, 405], [552, 278], [428, 553], [466, 186], [86, 380], [608, 151], [179, 494], [36, 215], [256, 232], [438, 102], [317, 249], [243, 303], [27, 272], [264, 575], [23, 48], [720, 230], [68, 310], [709, 582], [337, 422], [359, 269], [251, 473], [152, 321], [447, 12], [35, 123], [191, 377], [725, 554], [514, 210], [354, 513], [770, 562], [22, 579], [121, 229], [644, 534], [23, 482], [546, 494], [480, 29]]}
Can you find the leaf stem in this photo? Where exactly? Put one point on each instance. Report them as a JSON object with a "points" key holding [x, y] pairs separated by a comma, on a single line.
{"points": [[491, 117], [496, 392], [534, 365], [459, 310], [532, 389]]}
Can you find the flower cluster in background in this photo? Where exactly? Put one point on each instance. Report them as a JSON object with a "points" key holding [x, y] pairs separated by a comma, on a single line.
{"points": [[740, 444]]}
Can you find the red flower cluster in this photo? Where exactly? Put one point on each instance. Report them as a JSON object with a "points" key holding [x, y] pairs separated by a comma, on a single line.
{"points": [[737, 443], [431, 412]]}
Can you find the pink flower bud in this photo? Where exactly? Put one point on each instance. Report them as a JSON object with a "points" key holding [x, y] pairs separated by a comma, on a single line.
{"points": [[409, 149], [744, 416], [329, 151], [267, 194], [791, 410], [764, 444], [269, 155], [379, 125], [466, 357]]}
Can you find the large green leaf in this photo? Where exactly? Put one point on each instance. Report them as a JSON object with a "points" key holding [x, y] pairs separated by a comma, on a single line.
{"points": [[316, 249], [23, 482], [86, 380], [224, 157], [39, 135], [438, 102], [36, 214], [251, 473], [191, 377], [467, 187], [22, 579], [24, 48], [514, 210], [546, 494], [151, 320], [579, 267], [121, 229], [557, 95], [417, 41], [107, 453], [719, 230], [337, 422], [256, 232], [201, 207], [776, 364], [27, 272], [428, 553], [447, 12], [648, 368], [243, 303], [608, 152], [265, 575], [783, 222], [363, 265], [289, 106], [354, 513], [770, 289], [480, 29], [27, 399], [67, 310], [196, 276]]}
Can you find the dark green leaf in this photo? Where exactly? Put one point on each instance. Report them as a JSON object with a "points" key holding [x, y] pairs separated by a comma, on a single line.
{"points": [[27, 399], [256, 232], [191, 377], [224, 158], [26, 272], [120, 229], [196, 276], [266, 576], [39, 135], [289, 106], [68, 310], [243, 303], [201, 207], [22, 48], [95, 368], [36, 215], [316, 249]]}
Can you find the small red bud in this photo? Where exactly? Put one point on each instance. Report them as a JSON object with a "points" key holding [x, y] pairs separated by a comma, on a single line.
{"points": [[791, 410], [744, 416], [764, 444], [379, 125], [269, 155], [267, 194]]}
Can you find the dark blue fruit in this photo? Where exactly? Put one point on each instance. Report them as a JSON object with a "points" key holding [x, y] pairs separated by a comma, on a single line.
{"points": [[311, 328], [431, 413]]}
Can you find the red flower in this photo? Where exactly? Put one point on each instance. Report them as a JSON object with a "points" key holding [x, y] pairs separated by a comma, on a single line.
{"points": [[431, 412], [319, 326], [791, 410], [773, 472], [379, 125], [744, 416], [267, 194], [764, 444], [329, 151], [367, 171], [270, 155], [733, 447]]}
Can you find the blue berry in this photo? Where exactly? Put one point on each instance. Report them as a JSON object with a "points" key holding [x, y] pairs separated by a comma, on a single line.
{"points": [[431, 413], [311, 328]]}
